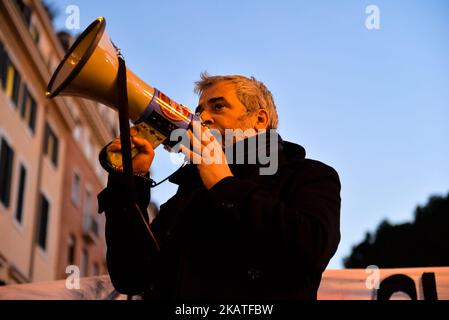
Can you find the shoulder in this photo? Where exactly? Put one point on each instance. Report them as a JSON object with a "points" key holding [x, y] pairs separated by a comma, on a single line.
{"points": [[319, 168], [309, 172], [301, 168]]}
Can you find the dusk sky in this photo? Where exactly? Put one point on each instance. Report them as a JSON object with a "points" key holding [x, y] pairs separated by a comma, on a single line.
{"points": [[373, 104]]}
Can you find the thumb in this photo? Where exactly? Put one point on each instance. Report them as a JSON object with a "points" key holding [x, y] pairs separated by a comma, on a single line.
{"points": [[143, 145]]}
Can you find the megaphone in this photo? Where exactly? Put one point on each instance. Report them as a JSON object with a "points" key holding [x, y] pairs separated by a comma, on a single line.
{"points": [[89, 70]]}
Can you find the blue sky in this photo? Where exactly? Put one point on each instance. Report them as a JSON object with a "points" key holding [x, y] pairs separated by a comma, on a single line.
{"points": [[374, 104]]}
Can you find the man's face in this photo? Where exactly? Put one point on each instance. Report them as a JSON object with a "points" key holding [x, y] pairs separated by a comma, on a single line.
{"points": [[220, 109]]}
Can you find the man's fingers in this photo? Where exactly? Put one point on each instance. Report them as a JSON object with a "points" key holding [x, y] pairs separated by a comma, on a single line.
{"points": [[115, 147], [195, 143], [201, 132], [143, 145], [192, 156], [133, 131], [140, 143], [200, 136], [197, 129]]}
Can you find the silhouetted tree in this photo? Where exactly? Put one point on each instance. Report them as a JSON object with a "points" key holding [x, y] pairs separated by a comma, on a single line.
{"points": [[421, 243]]}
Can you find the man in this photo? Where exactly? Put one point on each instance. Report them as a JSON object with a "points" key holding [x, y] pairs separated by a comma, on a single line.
{"points": [[229, 232]]}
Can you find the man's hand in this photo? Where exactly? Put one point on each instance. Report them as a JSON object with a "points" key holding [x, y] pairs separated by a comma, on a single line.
{"points": [[142, 159], [208, 154]]}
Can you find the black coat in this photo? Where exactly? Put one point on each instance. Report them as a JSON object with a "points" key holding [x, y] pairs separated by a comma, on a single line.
{"points": [[250, 236]]}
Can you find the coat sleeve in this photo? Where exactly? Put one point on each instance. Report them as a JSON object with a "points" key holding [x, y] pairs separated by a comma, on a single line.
{"points": [[131, 254], [302, 223]]}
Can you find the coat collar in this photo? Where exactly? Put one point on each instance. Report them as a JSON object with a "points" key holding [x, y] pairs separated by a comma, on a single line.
{"points": [[287, 152]]}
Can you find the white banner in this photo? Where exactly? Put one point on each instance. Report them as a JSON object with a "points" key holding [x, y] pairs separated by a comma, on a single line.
{"points": [[347, 284]]}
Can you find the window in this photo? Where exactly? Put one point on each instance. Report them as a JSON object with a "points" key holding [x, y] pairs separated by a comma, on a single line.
{"points": [[28, 109], [85, 263], [114, 131], [20, 194], [96, 269], [16, 86], [88, 148], [98, 168], [34, 34], [11, 81], [76, 189], [44, 208], [88, 213], [25, 10], [71, 249], [95, 226], [99, 223], [51, 144], [3, 63], [88, 203], [9, 77], [6, 167], [77, 132]]}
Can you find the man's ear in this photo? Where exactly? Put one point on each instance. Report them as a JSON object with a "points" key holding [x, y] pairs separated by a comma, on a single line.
{"points": [[262, 119]]}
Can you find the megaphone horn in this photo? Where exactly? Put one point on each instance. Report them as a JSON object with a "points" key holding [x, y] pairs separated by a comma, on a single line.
{"points": [[89, 70]]}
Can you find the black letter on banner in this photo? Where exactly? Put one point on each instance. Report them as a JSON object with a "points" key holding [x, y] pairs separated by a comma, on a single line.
{"points": [[396, 283]]}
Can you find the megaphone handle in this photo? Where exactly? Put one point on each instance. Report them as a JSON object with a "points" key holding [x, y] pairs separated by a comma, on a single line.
{"points": [[122, 101], [125, 137]]}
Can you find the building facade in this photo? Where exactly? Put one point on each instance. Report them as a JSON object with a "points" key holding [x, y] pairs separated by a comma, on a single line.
{"points": [[49, 170]]}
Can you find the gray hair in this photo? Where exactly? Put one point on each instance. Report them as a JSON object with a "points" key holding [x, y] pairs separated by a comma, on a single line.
{"points": [[253, 94]]}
